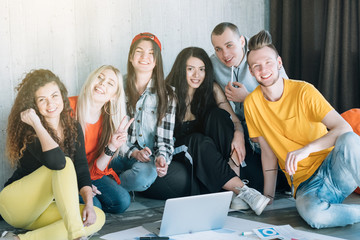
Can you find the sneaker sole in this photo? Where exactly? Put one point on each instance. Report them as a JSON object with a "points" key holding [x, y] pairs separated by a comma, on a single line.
{"points": [[261, 206], [236, 207]]}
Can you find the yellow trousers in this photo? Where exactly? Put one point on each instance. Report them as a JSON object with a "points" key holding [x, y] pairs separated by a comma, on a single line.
{"points": [[47, 202]]}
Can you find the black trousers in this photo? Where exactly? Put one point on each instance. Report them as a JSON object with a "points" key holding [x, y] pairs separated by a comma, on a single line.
{"points": [[209, 170]]}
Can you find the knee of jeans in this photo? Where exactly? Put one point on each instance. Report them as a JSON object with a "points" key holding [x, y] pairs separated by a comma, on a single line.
{"points": [[145, 177], [120, 204], [348, 139], [314, 213], [146, 182], [349, 143]]}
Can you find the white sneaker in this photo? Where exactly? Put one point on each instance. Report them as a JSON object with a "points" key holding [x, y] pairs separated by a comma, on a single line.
{"points": [[238, 204], [256, 200]]}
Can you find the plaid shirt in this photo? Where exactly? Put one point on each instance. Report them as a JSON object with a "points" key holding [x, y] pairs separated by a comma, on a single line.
{"points": [[145, 131]]}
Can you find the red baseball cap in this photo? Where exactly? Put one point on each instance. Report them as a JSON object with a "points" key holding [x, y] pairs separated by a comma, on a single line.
{"points": [[146, 35]]}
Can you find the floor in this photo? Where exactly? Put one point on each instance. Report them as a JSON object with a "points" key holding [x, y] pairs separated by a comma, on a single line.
{"points": [[283, 211]]}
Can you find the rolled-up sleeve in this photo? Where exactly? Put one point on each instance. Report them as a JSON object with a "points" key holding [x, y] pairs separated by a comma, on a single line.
{"points": [[164, 138]]}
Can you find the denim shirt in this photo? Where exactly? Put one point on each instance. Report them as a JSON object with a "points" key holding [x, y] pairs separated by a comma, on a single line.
{"points": [[146, 119], [145, 132]]}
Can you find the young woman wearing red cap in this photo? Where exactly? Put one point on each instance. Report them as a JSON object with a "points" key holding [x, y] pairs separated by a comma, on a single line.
{"points": [[152, 104]]}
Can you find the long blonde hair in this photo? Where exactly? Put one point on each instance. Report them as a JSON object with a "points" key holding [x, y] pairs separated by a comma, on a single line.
{"points": [[112, 112]]}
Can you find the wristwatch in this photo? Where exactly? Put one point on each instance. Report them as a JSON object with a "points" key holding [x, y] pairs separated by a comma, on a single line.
{"points": [[108, 152]]}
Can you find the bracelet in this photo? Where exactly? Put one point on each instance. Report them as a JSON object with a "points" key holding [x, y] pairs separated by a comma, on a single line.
{"points": [[270, 196], [108, 152]]}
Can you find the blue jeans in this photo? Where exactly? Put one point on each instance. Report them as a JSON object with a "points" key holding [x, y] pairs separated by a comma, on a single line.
{"points": [[113, 198], [134, 175], [319, 199]]}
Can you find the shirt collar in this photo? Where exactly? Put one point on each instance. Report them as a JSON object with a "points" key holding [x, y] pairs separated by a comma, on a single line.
{"points": [[149, 87]]}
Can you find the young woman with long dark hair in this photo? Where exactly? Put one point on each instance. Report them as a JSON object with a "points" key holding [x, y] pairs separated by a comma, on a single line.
{"points": [[206, 132]]}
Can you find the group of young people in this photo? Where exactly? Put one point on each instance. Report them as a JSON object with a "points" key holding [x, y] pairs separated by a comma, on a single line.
{"points": [[174, 136]]}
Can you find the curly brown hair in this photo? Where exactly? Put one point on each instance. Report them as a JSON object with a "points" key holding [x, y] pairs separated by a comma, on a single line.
{"points": [[19, 134]]}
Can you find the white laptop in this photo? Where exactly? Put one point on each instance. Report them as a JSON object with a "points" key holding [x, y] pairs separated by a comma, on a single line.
{"points": [[192, 214]]}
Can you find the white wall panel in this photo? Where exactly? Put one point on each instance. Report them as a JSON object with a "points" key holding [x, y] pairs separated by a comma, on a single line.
{"points": [[73, 37]]}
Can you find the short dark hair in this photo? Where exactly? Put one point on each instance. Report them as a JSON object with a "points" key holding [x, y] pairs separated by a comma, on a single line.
{"points": [[260, 40], [221, 27]]}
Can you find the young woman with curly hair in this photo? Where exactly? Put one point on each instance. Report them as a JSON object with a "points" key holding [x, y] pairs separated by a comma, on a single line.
{"points": [[46, 145]]}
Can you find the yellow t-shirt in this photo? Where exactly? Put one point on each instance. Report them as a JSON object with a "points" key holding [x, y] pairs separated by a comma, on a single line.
{"points": [[290, 123]]}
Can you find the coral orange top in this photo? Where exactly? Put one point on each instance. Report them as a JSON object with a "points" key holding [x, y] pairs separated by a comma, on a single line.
{"points": [[352, 116], [92, 135]]}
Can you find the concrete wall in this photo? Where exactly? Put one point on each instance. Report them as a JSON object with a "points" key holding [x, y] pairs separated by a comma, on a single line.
{"points": [[73, 37]]}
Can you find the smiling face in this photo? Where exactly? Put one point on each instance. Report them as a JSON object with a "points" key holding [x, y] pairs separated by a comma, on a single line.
{"points": [[143, 57], [264, 65], [49, 101], [195, 73], [229, 47], [105, 86]]}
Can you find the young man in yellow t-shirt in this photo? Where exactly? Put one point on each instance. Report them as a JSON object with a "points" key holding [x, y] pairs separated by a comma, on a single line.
{"points": [[312, 143]]}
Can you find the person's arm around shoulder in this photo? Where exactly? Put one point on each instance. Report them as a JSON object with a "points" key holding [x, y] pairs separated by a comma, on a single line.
{"points": [[270, 168], [336, 125], [238, 142]]}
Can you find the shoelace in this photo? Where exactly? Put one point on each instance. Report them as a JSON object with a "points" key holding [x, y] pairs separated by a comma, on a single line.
{"points": [[245, 182], [250, 194]]}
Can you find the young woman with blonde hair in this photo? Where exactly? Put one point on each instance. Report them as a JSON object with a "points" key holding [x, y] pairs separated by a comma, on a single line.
{"points": [[100, 109]]}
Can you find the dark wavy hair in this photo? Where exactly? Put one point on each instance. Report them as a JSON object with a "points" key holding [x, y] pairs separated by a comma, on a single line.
{"points": [[163, 90], [203, 98], [19, 134]]}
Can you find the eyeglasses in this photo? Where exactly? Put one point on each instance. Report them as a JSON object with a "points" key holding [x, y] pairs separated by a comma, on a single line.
{"points": [[291, 180]]}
